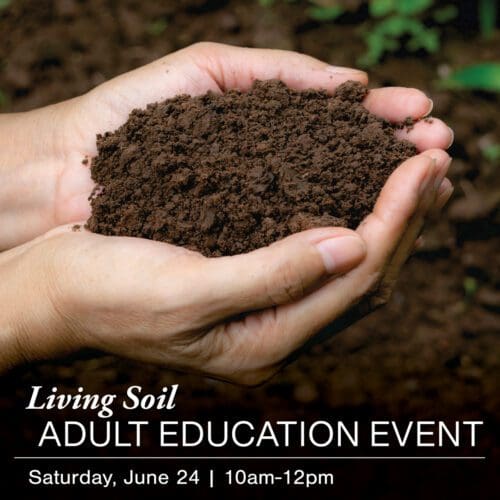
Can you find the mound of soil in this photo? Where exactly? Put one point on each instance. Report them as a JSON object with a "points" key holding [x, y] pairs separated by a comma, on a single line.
{"points": [[225, 174]]}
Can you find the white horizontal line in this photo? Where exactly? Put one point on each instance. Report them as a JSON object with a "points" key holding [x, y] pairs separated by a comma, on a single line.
{"points": [[259, 458]]}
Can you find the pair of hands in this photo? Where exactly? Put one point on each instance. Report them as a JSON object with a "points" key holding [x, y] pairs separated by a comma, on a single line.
{"points": [[236, 318]]}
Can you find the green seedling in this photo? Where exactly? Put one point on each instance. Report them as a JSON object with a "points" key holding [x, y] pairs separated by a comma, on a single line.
{"points": [[4, 3], [387, 36], [414, 25], [403, 24], [485, 76]]}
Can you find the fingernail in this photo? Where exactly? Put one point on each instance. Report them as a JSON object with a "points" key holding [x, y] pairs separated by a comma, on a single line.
{"points": [[452, 134], [342, 253], [442, 170], [429, 177], [419, 243], [445, 187], [343, 70], [431, 107], [444, 194]]}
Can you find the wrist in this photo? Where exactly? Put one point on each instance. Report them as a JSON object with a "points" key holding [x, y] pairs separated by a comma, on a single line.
{"points": [[31, 136], [29, 168], [31, 328]]}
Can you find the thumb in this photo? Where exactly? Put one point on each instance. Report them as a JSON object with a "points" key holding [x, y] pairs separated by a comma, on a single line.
{"points": [[280, 273]]}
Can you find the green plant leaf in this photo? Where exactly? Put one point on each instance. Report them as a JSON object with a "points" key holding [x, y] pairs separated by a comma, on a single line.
{"points": [[397, 26], [427, 39], [4, 3], [376, 44], [266, 3], [430, 41], [325, 13], [492, 153], [412, 7], [391, 44], [380, 8], [484, 76], [445, 14]]}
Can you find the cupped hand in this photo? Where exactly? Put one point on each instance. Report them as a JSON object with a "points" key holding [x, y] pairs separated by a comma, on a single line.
{"points": [[235, 318], [41, 152]]}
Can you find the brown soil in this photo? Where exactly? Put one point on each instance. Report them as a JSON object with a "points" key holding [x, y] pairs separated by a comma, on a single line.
{"points": [[432, 352], [226, 174]]}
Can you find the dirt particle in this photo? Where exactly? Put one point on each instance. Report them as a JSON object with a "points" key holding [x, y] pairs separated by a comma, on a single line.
{"points": [[408, 123]]}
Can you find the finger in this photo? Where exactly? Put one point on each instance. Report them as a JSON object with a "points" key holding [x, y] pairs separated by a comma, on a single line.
{"points": [[428, 134], [397, 103], [444, 194], [293, 324], [262, 340], [389, 208], [419, 243], [415, 225], [239, 67], [278, 274]]}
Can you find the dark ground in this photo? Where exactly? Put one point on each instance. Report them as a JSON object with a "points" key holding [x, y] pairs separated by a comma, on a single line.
{"points": [[433, 352]]}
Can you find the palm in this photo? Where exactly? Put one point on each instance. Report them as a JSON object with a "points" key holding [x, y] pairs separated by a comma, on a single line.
{"points": [[105, 109]]}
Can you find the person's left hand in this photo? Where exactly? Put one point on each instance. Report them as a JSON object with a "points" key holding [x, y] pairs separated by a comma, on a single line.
{"points": [[237, 318], [44, 182]]}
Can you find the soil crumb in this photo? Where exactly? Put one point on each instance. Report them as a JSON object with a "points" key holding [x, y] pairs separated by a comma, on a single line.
{"points": [[224, 174], [408, 123]]}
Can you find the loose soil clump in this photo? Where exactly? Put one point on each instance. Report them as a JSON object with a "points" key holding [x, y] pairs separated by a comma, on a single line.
{"points": [[225, 174]]}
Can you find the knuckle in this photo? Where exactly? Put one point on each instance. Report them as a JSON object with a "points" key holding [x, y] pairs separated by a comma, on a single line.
{"points": [[285, 284], [205, 46], [258, 358], [375, 294], [382, 296]]}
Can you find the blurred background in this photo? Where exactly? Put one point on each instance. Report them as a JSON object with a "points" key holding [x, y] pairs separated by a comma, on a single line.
{"points": [[434, 351]]}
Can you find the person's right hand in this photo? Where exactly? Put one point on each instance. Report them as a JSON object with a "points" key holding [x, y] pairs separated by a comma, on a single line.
{"points": [[234, 318]]}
